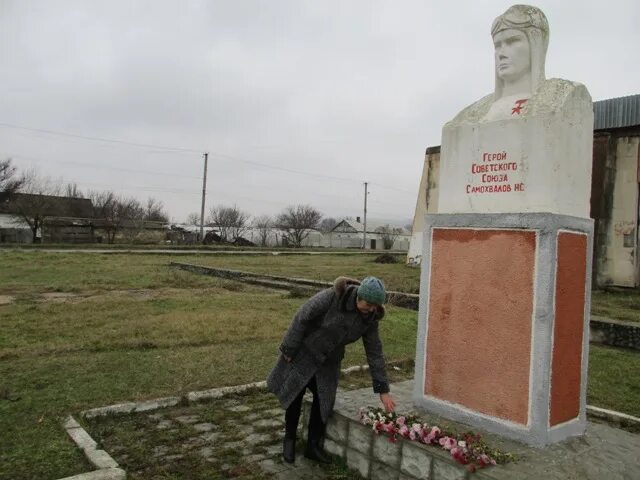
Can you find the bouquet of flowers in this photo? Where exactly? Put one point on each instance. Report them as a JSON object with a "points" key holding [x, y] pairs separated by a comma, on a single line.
{"points": [[467, 449]]}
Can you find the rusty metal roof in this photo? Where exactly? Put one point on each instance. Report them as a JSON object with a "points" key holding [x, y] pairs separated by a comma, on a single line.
{"points": [[616, 112]]}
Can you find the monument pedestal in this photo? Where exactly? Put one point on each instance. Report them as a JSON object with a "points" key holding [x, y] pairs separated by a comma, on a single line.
{"points": [[503, 322]]}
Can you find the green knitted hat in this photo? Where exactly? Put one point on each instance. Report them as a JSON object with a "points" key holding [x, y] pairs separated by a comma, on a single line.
{"points": [[371, 290]]}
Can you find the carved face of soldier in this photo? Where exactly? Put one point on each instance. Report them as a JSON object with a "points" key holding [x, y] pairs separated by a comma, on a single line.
{"points": [[512, 54]]}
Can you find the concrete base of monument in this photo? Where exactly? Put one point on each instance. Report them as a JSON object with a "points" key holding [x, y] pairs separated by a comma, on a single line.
{"points": [[503, 338], [602, 452]]}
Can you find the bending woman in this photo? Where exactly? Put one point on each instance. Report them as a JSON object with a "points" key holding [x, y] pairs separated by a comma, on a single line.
{"points": [[312, 350]]}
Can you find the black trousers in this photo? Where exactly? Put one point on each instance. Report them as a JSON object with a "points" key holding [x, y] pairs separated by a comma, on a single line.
{"points": [[292, 415]]}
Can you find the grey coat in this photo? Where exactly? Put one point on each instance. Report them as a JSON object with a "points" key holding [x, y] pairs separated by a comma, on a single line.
{"points": [[316, 341]]}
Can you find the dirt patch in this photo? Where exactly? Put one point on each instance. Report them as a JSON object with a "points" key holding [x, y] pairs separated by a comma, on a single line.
{"points": [[6, 299], [57, 297]]}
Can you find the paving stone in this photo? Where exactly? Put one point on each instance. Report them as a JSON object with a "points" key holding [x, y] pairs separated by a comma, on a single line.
{"points": [[245, 430], [271, 466], [192, 442], [275, 412], [156, 416], [187, 419], [256, 457], [294, 474], [447, 471], [207, 452], [173, 458], [358, 461], [253, 416], [160, 450], [239, 408], [380, 471], [233, 445], [268, 423], [164, 424], [204, 427], [210, 437], [360, 437], [274, 449], [415, 461], [386, 451]]}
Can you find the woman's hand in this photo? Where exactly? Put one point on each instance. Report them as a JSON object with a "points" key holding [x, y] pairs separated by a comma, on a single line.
{"points": [[388, 402]]}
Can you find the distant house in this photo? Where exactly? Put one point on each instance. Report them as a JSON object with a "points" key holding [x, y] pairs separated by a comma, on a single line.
{"points": [[350, 234], [65, 219]]}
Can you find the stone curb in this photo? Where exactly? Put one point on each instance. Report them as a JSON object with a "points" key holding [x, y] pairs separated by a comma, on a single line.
{"points": [[132, 407], [399, 299], [107, 467], [611, 416], [221, 392]]}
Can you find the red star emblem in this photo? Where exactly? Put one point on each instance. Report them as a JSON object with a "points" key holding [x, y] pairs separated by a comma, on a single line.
{"points": [[517, 110]]}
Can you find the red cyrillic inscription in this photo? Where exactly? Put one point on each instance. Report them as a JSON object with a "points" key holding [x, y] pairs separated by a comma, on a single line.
{"points": [[497, 182]]}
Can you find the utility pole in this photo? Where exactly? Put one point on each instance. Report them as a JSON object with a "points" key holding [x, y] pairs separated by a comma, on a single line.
{"points": [[364, 242], [204, 194]]}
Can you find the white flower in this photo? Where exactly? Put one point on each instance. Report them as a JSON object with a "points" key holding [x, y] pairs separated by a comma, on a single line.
{"points": [[462, 444]]}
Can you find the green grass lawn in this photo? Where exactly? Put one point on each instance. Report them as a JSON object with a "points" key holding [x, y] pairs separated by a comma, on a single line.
{"points": [[135, 329], [619, 304]]}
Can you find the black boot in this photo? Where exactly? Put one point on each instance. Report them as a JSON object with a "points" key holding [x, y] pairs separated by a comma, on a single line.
{"points": [[315, 452], [289, 450]]}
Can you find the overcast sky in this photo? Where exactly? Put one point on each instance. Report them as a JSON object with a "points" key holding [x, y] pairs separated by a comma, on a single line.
{"points": [[295, 101]]}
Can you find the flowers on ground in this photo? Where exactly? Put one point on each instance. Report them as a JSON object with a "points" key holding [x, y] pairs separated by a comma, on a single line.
{"points": [[467, 449]]}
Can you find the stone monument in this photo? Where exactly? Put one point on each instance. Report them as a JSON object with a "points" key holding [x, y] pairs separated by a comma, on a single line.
{"points": [[506, 263]]}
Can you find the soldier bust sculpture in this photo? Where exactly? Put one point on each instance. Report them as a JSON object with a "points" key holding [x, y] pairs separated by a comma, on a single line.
{"points": [[520, 39], [510, 151]]}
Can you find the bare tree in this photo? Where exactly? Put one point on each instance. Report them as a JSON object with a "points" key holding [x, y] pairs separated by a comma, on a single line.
{"points": [[327, 224], [388, 235], [155, 211], [133, 215], [193, 219], [231, 221], [71, 190], [36, 201], [298, 221], [9, 183], [263, 224], [114, 212]]}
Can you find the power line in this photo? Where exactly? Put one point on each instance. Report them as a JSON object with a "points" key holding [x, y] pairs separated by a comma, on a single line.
{"points": [[99, 139], [103, 167], [174, 190], [188, 150]]}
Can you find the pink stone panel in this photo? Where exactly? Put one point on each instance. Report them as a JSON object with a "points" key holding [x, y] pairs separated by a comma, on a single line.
{"points": [[480, 315], [568, 329]]}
